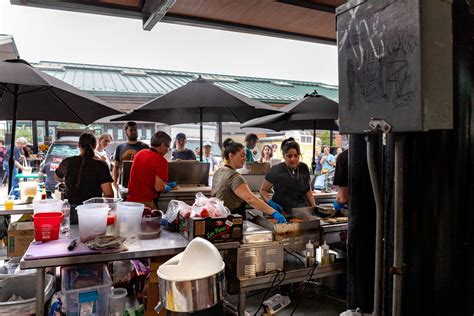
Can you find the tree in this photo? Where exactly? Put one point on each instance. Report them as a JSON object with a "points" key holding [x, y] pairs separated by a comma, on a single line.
{"points": [[325, 137]]}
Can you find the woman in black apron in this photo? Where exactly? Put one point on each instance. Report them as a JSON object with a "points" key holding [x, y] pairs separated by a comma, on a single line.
{"points": [[230, 187], [290, 181]]}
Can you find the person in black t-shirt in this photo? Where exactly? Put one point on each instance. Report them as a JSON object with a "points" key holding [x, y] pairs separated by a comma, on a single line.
{"points": [[85, 176], [341, 179], [180, 152], [127, 151], [290, 181]]}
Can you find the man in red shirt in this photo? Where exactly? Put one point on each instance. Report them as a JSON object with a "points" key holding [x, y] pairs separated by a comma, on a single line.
{"points": [[149, 173]]}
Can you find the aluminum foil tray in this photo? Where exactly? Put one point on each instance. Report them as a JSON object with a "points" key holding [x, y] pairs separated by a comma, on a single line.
{"points": [[253, 233]]}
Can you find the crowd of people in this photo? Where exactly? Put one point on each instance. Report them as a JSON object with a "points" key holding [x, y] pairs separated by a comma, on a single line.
{"points": [[92, 173]]}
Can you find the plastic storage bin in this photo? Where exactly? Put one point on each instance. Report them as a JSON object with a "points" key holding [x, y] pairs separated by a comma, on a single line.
{"points": [[111, 202], [92, 220], [47, 225], [86, 289], [129, 218], [17, 284], [49, 205]]}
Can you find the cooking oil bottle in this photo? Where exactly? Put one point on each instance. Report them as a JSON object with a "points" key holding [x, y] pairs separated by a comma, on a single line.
{"points": [[324, 254]]}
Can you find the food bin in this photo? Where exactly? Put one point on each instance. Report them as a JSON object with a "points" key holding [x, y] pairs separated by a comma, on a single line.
{"points": [[86, 289], [15, 284], [92, 220], [47, 225], [49, 205], [129, 217], [112, 225]]}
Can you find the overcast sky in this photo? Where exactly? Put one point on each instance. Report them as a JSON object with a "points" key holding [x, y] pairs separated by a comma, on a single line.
{"points": [[55, 35]]}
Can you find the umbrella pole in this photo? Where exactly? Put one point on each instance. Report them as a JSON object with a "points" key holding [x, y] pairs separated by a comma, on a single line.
{"points": [[11, 159], [313, 161], [200, 134]]}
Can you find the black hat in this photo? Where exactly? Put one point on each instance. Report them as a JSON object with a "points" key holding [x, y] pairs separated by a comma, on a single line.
{"points": [[180, 136]]}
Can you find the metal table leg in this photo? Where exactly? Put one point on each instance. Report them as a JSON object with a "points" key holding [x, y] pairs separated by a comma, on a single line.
{"points": [[40, 292], [242, 297]]}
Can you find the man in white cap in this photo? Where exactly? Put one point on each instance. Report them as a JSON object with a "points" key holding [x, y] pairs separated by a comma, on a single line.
{"points": [[208, 157]]}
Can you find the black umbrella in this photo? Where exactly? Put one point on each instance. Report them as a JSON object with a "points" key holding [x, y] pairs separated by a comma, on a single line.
{"points": [[314, 110], [29, 94], [199, 101]]}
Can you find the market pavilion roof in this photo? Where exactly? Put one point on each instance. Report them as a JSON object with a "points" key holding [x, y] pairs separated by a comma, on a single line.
{"points": [[113, 81]]}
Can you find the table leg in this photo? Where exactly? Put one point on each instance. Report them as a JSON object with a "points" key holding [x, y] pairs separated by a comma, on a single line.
{"points": [[242, 297], [40, 292]]}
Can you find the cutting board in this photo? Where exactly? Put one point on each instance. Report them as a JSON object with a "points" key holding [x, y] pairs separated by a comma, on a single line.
{"points": [[56, 248]]}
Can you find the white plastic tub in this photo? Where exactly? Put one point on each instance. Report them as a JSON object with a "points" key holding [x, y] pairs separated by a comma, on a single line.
{"points": [[92, 220], [49, 205], [129, 215]]}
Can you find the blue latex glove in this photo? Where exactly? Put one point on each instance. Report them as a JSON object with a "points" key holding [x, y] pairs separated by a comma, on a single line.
{"points": [[168, 188], [275, 205], [172, 184], [338, 206], [279, 218]]}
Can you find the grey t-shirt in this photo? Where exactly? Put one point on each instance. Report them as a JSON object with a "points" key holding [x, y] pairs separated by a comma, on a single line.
{"points": [[49, 170], [127, 151], [224, 182]]}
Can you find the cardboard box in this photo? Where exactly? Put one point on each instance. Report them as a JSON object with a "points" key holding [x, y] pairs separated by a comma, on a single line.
{"points": [[20, 235], [216, 230]]}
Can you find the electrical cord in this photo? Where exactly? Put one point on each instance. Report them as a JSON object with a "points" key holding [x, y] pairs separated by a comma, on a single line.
{"points": [[292, 254], [304, 288], [271, 288]]}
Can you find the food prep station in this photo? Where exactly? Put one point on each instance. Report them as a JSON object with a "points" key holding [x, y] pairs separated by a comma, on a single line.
{"points": [[256, 255]]}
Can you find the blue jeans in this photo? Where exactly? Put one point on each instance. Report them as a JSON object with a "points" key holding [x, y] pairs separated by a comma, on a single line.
{"points": [[15, 183]]}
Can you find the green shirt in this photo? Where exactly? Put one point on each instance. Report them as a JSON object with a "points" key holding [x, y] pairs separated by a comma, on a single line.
{"points": [[224, 182], [249, 155]]}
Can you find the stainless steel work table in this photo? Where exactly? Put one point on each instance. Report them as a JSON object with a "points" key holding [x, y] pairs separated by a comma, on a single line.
{"points": [[18, 209], [168, 243], [292, 274]]}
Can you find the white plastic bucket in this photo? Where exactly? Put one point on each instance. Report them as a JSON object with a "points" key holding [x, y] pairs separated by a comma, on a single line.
{"points": [[129, 217], [92, 220], [49, 205]]}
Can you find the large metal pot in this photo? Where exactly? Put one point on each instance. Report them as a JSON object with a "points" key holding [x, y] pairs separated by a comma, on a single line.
{"points": [[191, 296]]}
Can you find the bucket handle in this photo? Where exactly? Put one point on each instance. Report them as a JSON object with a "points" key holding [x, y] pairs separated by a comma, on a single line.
{"points": [[159, 307]]}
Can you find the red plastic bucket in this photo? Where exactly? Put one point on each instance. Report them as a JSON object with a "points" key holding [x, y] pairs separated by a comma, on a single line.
{"points": [[47, 225]]}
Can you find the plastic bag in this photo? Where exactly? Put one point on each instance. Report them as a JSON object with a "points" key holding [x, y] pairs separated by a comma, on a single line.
{"points": [[175, 207], [208, 207]]}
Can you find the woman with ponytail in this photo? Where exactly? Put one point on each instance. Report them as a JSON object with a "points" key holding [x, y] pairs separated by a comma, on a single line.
{"points": [[230, 187], [85, 175]]}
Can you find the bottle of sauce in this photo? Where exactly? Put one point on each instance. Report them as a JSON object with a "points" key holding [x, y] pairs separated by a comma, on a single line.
{"points": [[43, 194], [324, 254], [310, 254]]}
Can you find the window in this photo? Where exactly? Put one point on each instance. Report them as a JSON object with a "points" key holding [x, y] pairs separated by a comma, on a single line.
{"points": [[120, 134], [140, 133], [148, 133], [111, 132]]}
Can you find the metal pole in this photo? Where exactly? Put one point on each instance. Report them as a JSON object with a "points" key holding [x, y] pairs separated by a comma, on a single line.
{"points": [[330, 138], [379, 225], [313, 161], [200, 134], [34, 131], [219, 134], [40, 291], [11, 160], [397, 269], [46, 128]]}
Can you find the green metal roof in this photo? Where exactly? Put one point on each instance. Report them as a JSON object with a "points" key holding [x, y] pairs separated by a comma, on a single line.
{"points": [[125, 81]]}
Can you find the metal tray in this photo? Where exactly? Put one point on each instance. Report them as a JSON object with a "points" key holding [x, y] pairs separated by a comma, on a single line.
{"points": [[294, 236], [253, 233]]}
